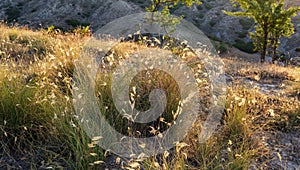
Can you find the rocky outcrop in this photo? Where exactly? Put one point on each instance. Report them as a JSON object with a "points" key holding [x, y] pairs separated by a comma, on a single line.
{"points": [[65, 13], [208, 17]]}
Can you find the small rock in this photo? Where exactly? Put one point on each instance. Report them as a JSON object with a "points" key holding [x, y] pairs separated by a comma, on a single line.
{"points": [[295, 61]]}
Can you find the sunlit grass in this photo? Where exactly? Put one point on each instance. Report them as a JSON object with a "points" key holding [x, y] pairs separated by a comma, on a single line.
{"points": [[36, 111], [38, 121]]}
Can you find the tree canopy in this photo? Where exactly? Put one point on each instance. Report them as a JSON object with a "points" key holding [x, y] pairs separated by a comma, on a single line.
{"points": [[165, 18], [272, 20]]}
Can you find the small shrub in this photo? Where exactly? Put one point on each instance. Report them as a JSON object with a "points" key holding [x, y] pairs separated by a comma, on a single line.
{"points": [[76, 23], [13, 36], [287, 121], [246, 47], [208, 6], [222, 48], [82, 30], [201, 15], [242, 34], [12, 14], [72, 22], [20, 4], [212, 23], [214, 38], [246, 23], [199, 7], [34, 10], [51, 29], [54, 30]]}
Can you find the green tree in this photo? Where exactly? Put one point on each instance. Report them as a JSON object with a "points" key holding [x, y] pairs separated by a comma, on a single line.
{"points": [[281, 25], [165, 18], [273, 21]]}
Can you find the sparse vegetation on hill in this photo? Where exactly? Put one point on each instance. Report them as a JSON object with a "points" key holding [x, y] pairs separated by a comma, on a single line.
{"points": [[39, 128]]}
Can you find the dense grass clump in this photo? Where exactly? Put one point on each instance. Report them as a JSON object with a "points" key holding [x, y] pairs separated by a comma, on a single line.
{"points": [[37, 119], [145, 82]]}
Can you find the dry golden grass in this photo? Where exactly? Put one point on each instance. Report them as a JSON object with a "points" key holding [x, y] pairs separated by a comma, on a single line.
{"points": [[236, 67], [36, 110], [35, 101]]}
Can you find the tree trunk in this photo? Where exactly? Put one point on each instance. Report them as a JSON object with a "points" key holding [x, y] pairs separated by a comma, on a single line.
{"points": [[264, 52], [265, 44], [263, 56], [272, 46], [275, 48]]}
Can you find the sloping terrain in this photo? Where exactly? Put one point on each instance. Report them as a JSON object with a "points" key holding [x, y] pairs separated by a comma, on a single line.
{"points": [[38, 128], [70, 14], [65, 14], [259, 130]]}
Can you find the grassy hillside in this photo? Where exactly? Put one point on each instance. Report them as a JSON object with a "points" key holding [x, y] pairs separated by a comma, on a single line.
{"points": [[39, 128]]}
